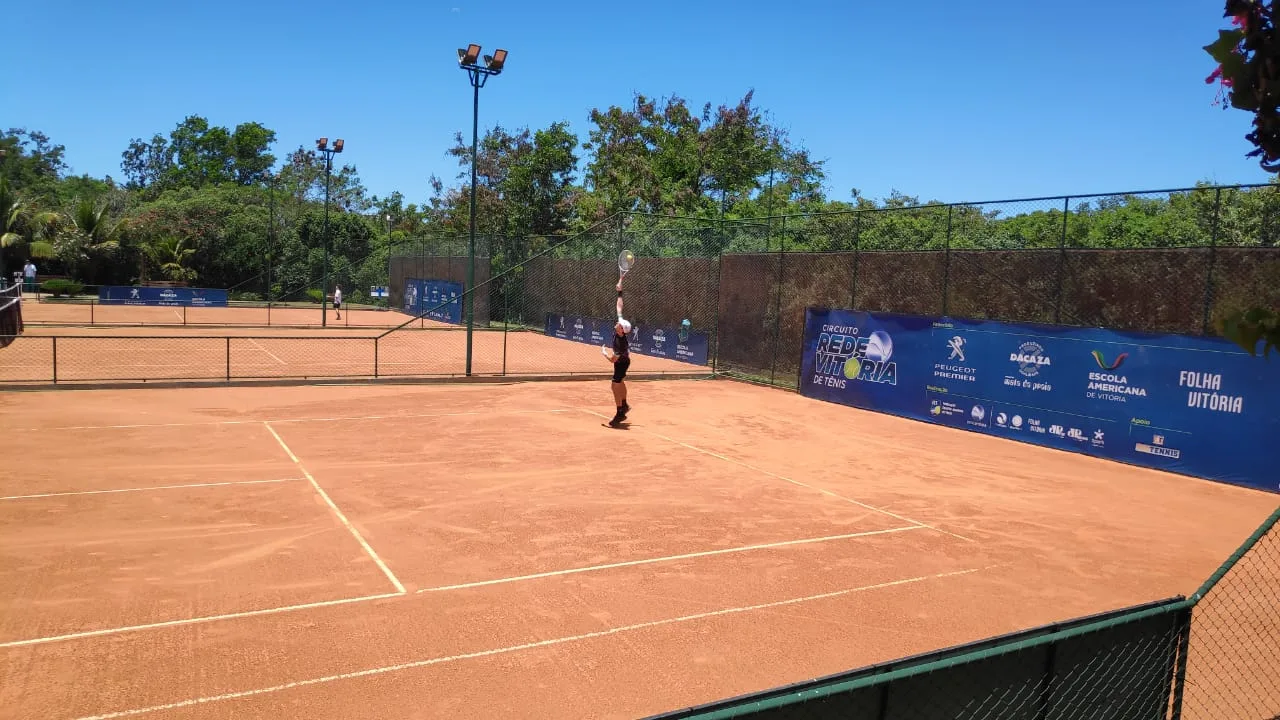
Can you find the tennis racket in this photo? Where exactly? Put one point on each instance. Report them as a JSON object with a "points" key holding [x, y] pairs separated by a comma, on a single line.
{"points": [[625, 261]]}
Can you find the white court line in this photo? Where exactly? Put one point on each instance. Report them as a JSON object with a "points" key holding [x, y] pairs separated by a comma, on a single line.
{"points": [[273, 355], [325, 496], [145, 489], [670, 558], [196, 620], [526, 646], [291, 420], [824, 491], [327, 603], [175, 312]]}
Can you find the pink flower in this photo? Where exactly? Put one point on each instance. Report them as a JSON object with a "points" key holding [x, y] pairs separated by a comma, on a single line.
{"points": [[1216, 74]]}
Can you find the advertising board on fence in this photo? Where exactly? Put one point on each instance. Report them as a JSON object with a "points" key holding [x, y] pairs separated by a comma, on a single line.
{"points": [[678, 343], [426, 296], [1193, 405], [193, 297]]}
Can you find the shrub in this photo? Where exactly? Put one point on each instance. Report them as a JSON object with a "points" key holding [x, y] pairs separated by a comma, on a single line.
{"points": [[62, 288]]}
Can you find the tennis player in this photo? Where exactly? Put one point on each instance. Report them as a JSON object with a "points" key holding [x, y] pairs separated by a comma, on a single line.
{"points": [[621, 361], [337, 301]]}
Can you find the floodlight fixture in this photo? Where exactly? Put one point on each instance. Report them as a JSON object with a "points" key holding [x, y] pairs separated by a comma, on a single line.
{"points": [[322, 143], [469, 56], [495, 62], [337, 145]]}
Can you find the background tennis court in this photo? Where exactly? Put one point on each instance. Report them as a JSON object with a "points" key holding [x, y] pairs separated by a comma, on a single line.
{"points": [[415, 348], [493, 551]]}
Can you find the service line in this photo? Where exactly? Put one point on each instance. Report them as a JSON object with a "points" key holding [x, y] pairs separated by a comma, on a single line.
{"points": [[146, 489], [347, 523], [525, 646]]}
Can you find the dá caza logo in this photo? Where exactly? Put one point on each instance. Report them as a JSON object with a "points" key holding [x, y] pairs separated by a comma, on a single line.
{"points": [[1029, 356]]}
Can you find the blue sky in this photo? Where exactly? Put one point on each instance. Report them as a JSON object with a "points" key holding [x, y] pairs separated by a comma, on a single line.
{"points": [[943, 100]]}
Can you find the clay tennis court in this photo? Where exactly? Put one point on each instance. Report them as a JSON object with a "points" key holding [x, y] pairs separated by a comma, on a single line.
{"points": [[493, 551], [425, 348], [61, 312]]}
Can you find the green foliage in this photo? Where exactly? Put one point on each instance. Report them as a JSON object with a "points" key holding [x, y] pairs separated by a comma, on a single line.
{"points": [[61, 288], [196, 154], [1249, 328], [315, 296]]}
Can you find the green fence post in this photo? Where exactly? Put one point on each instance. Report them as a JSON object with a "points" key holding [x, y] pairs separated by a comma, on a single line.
{"points": [[1180, 670], [1213, 247], [777, 312], [946, 264], [1062, 260]]}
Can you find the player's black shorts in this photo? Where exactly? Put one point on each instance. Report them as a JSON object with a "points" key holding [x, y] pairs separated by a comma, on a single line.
{"points": [[620, 368]]}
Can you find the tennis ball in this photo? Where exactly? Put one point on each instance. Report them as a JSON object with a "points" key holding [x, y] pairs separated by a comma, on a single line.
{"points": [[851, 368]]}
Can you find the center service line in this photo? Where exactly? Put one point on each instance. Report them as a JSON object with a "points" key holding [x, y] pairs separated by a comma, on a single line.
{"points": [[325, 496]]}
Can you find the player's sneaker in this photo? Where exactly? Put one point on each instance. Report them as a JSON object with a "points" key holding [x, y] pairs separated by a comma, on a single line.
{"points": [[623, 412]]}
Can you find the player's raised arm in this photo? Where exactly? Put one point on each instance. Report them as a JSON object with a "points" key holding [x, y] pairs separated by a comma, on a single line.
{"points": [[619, 298]]}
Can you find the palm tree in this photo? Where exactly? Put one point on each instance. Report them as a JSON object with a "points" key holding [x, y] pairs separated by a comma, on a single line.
{"points": [[24, 227], [171, 255], [91, 233]]}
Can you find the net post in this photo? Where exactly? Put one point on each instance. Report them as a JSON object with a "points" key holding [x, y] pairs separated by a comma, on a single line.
{"points": [[506, 319], [228, 358], [375, 357]]}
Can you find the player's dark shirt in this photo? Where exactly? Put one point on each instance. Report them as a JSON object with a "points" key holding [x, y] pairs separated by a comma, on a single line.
{"points": [[621, 345]]}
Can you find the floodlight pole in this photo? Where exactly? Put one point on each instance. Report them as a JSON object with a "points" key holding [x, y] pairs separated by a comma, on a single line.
{"points": [[478, 75], [271, 236], [323, 146]]}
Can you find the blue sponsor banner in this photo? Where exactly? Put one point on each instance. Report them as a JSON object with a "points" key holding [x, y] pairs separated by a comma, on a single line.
{"points": [[194, 297], [425, 297], [1191, 405], [673, 343]]}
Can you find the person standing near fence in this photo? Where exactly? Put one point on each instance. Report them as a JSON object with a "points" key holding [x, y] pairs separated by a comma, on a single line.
{"points": [[337, 301], [29, 275]]}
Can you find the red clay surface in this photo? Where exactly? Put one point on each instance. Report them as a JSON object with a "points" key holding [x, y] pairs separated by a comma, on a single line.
{"points": [[53, 312], [493, 551]]}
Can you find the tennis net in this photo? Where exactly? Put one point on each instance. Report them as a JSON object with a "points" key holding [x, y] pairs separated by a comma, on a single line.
{"points": [[10, 314]]}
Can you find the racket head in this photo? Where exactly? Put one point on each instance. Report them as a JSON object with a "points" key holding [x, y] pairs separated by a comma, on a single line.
{"points": [[625, 260]]}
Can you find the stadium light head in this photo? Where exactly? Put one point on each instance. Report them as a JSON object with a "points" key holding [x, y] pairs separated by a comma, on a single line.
{"points": [[496, 61], [322, 144], [337, 145], [468, 57]]}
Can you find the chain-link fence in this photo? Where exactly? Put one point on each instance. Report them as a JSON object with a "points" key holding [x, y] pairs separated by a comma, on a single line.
{"points": [[1213, 656], [728, 295], [1232, 669]]}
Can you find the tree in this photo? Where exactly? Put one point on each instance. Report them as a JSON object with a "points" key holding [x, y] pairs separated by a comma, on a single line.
{"points": [[171, 255], [1248, 57], [30, 162], [197, 153], [22, 226]]}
